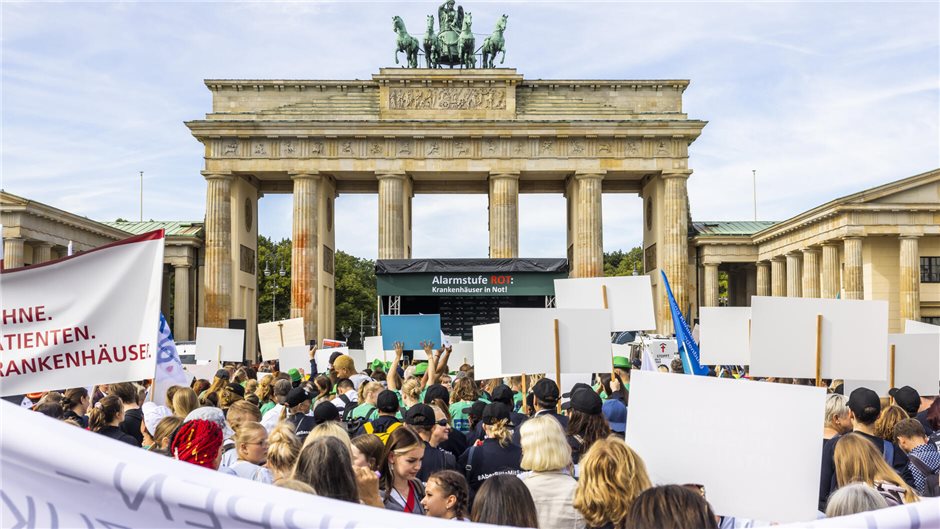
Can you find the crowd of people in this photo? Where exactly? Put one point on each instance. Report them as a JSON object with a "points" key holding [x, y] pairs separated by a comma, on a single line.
{"points": [[423, 439]]}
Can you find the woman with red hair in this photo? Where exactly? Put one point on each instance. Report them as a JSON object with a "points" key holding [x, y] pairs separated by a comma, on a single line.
{"points": [[198, 442]]}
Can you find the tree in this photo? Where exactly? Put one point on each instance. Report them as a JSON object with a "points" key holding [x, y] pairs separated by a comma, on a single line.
{"points": [[273, 257], [621, 263], [355, 294]]}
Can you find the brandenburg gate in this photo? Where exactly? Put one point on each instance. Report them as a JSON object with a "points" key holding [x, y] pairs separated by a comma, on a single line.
{"points": [[414, 130]]}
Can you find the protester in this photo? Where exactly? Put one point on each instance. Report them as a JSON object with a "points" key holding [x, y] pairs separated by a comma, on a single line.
{"points": [[265, 393], [545, 400], [908, 399], [230, 394], [283, 450], [153, 414], [447, 496], [198, 441], [615, 405], [105, 418], [856, 459], [346, 395], [612, 475], [296, 408], [162, 435], [890, 416], [504, 500], [324, 412], [853, 499], [184, 401], [495, 454], [670, 507], [210, 396], [547, 455], [345, 367], [923, 457], [422, 419], [401, 462], [324, 464], [75, 403], [282, 389], [586, 422], [367, 452], [127, 392], [251, 446], [837, 421], [387, 419], [464, 395], [410, 393]]}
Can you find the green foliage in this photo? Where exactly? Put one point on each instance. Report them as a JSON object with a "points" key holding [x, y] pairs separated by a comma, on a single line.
{"points": [[273, 287], [621, 263], [355, 295]]}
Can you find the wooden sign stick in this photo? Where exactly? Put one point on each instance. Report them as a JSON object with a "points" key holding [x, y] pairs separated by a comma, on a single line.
{"points": [[613, 369], [280, 330], [525, 393], [557, 364], [819, 350], [891, 372], [218, 355]]}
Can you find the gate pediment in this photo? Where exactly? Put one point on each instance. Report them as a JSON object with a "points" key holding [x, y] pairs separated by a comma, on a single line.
{"points": [[424, 94]]}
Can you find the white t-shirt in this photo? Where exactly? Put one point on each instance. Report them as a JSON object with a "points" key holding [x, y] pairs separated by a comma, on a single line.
{"points": [[272, 417], [353, 400]]}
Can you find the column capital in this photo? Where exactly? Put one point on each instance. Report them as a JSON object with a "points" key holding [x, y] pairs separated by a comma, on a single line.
{"points": [[514, 175], [211, 175], [43, 244], [182, 265], [909, 236], [711, 261], [590, 175], [811, 249], [853, 237], [829, 243], [762, 262], [779, 258], [676, 174], [382, 175], [314, 175]]}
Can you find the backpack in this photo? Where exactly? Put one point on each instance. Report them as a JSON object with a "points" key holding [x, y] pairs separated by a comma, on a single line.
{"points": [[934, 438], [931, 477], [347, 408], [381, 435], [888, 452]]}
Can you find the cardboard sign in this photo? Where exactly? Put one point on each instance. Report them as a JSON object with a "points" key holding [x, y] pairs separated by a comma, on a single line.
{"points": [[487, 352], [919, 327], [411, 330], [461, 354], [783, 338], [227, 345], [663, 351], [527, 340], [323, 357], [665, 407], [202, 369], [630, 299], [726, 335], [916, 364], [294, 357], [274, 335], [374, 350], [332, 344]]}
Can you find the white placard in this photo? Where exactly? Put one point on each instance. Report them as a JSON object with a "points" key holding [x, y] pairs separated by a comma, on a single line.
{"points": [[725, 336], [527, 340], [916, 364], [488, 362], [225, 344], [359, 359], [568, 380], [665, 407], [663, 351], [323, 357], [450, 340], [461, 354], [294, 357], [629, 298], [919, 327], [373, 345], [202, 369], [783, 338], [276, 334], [417, 354]]}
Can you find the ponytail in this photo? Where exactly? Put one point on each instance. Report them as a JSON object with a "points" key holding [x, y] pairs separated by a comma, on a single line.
{"points": [[105, 411], [73, 397], [501, 432]]}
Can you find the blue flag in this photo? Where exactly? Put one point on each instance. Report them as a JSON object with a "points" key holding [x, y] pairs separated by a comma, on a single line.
{"points": [[688, 349], [169, 371]]}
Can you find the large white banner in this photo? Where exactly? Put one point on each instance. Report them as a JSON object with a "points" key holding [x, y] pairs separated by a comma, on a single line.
{"points": [[83, 320]]}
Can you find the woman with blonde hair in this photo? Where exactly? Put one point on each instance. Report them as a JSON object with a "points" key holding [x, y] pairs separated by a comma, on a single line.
{"points": [[612, 475], [283, 449], [265, 393], [496, 454], [889, 418], [837, 421], [184, 401], [410, 393], [857, 460], [330, 429], [210, 397], [546, 453], [251, 445], [401, 463], [163, 433]]}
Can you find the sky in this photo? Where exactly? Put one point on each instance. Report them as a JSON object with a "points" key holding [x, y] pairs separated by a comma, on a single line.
{"points": [[821, 99]]}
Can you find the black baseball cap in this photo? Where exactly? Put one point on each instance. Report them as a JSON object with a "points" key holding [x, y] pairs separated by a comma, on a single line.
{"points": [[222, 373], [420, 415], [546, 390], [436, 391], [576, 387], [907, 398], [297, 396], [387, 401], [585, 401], [502, 393], [476, 409], [236, 389], [324, 412], [494, 412], [865, 405]]}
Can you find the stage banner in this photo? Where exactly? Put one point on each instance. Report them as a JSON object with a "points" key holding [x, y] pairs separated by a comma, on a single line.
{"points": [[82, 320]]}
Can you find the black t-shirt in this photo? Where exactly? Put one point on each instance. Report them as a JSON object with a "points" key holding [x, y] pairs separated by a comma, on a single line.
{"points": [[827, 478], [131, 424], [118, 435], [489, 459], [560, 418], [435, 459], [82, 420], [303, 424], [922, 417], [456, 443]]}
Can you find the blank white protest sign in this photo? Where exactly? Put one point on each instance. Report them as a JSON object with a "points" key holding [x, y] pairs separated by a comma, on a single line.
{"points": [[322, 356], [630, 299], [487, 352], [373, 347], [461, 353], [725, 335], [919, 327], [754, 462], [916, 364], [276, 334], [212, 342], [854, 338], [294, 357], [527, 340]]}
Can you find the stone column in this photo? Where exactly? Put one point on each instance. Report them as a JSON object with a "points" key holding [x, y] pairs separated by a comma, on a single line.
{"points": [[504, 215], [181, 302], [12, 252], [910, 278], [406, 215], [675, 257], [710, 298], [810, 273], [305, 247], [588, 227], [794, 276], [830, 270], [763, 278], [42, 252], [391, 216], [218, 270], [778, 276], [854, 281]]}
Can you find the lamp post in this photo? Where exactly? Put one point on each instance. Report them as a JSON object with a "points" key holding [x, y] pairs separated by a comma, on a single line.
{"points": [[346, 331], [362, 332], [267, 273]]}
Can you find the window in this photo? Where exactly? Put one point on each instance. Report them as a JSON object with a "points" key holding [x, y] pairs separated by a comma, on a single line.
{"points": [[933, 320], [930, 269]]}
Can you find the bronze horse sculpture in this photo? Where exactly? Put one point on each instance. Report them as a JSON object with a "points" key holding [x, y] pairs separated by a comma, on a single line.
{"points": [[494, 44], [406, 43]]}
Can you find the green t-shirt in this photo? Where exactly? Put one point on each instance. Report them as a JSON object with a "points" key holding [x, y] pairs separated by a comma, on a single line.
{"points": [[266, 407], [365, 410], [517, 399], [459, 418]]}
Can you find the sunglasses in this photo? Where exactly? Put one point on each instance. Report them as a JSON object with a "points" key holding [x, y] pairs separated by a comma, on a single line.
{"points": [[442, 422]]}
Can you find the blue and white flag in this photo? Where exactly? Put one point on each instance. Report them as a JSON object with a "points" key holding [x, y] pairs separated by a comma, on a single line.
{"points": [[647, 363], [169, 370], [688, 349]]}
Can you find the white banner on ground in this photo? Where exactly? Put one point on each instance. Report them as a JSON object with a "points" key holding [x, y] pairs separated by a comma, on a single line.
{"points": [[665, 407], [276, 334], [56, 475], [726, 335], [854, 338], [630, 299], [227, 345], [85, 320]]}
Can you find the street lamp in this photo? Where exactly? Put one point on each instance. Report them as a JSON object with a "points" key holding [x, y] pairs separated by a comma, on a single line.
{"points": [[267, 273], [362, 332], [346, 331]]}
